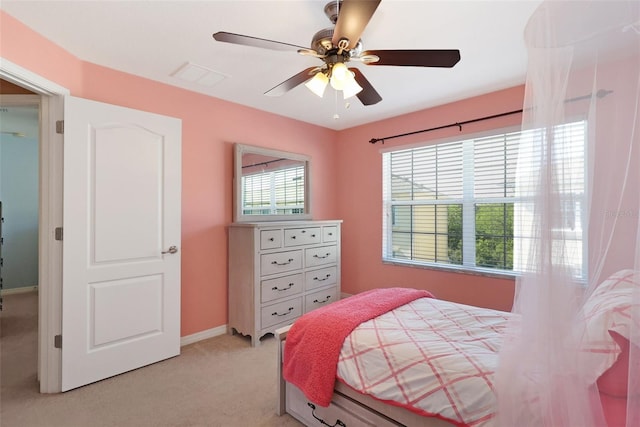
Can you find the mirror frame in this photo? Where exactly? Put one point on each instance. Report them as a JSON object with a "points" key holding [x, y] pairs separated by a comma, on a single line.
{"points": [[241, 149]]}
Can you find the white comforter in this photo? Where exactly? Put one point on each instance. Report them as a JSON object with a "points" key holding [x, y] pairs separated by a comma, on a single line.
{"points": [[433, 357]]}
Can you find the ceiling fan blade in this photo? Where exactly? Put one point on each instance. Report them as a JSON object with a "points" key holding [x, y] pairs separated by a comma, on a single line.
{"points": [[368, 95], [291, 82], [353, 17], [415, 58], [222, 36]]}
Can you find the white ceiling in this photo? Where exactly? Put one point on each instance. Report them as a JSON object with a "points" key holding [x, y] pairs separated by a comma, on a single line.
{"points": [[155, 38]]}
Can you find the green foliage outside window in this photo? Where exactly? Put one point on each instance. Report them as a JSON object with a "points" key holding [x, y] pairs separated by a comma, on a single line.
{"points": [[494, 235], [454, 217]]}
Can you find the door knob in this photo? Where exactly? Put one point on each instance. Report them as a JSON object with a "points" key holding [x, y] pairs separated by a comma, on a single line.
{"points": [[172, 250]]}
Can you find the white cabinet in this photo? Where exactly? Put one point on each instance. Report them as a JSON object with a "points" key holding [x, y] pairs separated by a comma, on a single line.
{"points": [[280, 270]]}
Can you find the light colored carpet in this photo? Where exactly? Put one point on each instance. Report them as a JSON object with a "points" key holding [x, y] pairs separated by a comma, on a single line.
{"points": [[221, 381]]}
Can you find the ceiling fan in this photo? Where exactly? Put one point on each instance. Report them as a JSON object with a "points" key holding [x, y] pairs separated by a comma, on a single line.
{"points": [[340, 44]]}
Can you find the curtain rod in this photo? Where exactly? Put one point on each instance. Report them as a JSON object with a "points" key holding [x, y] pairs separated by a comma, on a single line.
{"points": [[600, 94], [265, 163]]}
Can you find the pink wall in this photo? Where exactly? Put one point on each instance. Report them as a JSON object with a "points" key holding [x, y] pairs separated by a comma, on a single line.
{"points": [[613, 126], [346, 174], [360, 200], [30, 50]]}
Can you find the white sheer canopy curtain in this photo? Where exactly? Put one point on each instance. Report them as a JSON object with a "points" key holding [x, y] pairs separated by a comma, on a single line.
{"points": [[572, 357]]}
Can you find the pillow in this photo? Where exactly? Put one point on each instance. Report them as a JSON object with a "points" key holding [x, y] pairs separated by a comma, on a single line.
{"points": [[615, 380], [609, 309]]}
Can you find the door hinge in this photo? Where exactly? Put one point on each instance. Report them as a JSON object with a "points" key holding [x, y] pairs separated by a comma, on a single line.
{"points": [[58, 233], [57, 341], [60, 126]]}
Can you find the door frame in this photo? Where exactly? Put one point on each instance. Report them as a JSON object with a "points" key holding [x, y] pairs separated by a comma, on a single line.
{"points": [[50, 216]]}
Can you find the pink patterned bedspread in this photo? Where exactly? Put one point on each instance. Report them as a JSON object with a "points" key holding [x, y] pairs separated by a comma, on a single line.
{"points": [[433, 357], [315, 339]]}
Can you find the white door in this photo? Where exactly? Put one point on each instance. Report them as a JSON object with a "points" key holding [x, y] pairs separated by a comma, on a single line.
{"points": [[121, 280]]}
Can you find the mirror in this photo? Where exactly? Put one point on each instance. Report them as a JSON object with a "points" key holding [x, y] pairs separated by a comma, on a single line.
{"points": [[270, 185]]}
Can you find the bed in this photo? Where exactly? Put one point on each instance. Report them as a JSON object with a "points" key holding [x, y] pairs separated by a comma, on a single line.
{"points": [[415, 360]]}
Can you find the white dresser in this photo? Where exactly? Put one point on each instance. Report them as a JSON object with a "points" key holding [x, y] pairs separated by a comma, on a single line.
{"points": [[280, 270]]}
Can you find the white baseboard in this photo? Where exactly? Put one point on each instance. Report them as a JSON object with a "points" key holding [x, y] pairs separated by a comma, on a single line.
{"points": [[203, 335], [22, 290]]}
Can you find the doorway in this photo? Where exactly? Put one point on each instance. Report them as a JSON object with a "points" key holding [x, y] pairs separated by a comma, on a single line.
{"points": [[19, 194], [49, 95]]}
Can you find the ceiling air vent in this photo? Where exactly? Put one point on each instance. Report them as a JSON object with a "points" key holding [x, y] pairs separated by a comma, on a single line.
{"points": [[193, 73]]}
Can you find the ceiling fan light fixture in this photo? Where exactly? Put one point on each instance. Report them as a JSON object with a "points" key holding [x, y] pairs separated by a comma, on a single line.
{"points": [[318, 83], [339, 74], [351, 88], [340, 44]]}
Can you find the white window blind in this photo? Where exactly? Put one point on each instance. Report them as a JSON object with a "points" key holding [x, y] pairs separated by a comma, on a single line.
{"points": [[422, 185], [276, 192], [453, 204]]}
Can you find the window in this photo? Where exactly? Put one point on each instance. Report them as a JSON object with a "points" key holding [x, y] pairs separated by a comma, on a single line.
{"points": [[454, 204], [274, 192]]}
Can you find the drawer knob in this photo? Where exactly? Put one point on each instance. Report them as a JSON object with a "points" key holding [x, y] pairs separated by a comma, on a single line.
{"points": [[321, 256], [323, 422], [330, 234], [271, 239], [313, 235], [315, 301], [275, 313], [289, 261], [293, 237], [322, 279], [275, 288]]}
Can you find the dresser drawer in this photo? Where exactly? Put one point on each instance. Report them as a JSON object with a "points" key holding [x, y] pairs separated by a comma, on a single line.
{"points": [[281, 312], [350, 413], [323, 277], [329, 234], [320, 256], [281, 287], [279, 262], [270, 239], [302, 236], [320, 298]]}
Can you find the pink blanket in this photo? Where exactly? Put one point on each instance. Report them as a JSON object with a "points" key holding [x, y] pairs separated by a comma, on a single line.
{"points": [[314, 341]]}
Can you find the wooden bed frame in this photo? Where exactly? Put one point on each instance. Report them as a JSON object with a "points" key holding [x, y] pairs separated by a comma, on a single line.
{"points": [[348, 407]]}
